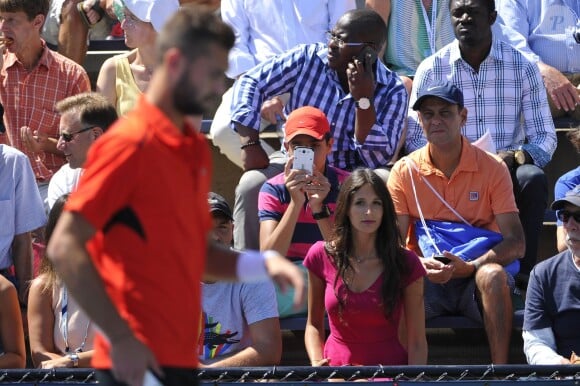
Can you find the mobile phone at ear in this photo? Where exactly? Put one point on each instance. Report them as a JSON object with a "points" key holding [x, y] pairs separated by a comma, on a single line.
{"points": [[443, 259], [303, 159], [368, 57]]}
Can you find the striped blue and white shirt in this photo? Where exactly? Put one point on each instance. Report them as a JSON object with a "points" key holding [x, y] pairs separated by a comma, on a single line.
{"points": [[506, 97], [304, 73], [548, 26]]}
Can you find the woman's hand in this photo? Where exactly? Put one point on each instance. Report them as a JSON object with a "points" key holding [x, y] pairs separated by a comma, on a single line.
{"points": [[320, 362]]}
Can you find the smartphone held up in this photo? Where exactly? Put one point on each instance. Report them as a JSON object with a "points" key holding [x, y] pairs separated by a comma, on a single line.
{"points": [[303, 159]]}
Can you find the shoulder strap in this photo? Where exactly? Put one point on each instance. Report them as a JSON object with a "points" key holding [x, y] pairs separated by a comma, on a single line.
{"points": [[414, 166]]}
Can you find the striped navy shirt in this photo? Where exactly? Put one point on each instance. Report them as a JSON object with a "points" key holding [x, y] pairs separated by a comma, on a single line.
{"points": [[506, 97], [304, 73]]}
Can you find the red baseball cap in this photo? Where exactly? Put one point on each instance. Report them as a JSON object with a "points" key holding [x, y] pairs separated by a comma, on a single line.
{"points": [[306, 120]]}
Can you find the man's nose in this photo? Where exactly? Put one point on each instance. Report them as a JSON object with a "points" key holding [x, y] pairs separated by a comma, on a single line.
{"points": [[60, 143]]}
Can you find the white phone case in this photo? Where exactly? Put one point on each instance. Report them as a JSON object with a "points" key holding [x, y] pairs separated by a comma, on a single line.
{"points": [[303, 158]]}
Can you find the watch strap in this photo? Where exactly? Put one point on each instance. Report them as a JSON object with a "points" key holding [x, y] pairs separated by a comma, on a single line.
{"points": [[324, 213]]}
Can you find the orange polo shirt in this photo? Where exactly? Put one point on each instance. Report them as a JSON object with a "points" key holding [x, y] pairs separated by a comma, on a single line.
{"points": [[145, 191], [479, 189]]}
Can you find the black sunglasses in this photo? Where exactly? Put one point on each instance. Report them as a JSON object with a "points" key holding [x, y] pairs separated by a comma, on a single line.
{"points": [[67, 137], [564, 216]]}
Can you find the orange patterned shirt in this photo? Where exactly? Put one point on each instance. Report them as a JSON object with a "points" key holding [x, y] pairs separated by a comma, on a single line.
{"points": [[29, 99]]}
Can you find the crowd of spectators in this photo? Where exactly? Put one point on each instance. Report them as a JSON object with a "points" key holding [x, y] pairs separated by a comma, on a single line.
{"points": [[440, 110]]}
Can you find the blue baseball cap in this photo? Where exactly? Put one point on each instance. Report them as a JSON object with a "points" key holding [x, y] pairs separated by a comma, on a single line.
{"points": [[571, 197], [446, 91]]}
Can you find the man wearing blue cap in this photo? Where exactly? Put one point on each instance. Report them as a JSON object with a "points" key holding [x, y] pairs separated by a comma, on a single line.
{"points": [[552, 315], [451, 180]]}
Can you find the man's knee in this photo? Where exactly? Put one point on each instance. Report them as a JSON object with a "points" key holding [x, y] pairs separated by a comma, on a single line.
{"points": [[491, 279], [531, 177], [250, 184]]}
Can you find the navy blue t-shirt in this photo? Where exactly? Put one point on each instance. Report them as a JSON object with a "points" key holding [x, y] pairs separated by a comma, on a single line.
{"points": [[553, 300]]}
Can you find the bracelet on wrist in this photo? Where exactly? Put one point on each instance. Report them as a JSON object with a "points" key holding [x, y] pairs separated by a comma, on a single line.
{"points": [[74, 357], [248, 144]]}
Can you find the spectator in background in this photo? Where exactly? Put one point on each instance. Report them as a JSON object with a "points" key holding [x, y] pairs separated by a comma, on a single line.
{"points": [[477, 189], [83, 118], [70, 24], [296, 207], [264, 29], [565, 183], [240, 319], [21, 212], [507, 104], [552, 313], [60, 333], [364, 102], [41, 78], [552, 32], [122, 78], [370, 286], [418, 29]]}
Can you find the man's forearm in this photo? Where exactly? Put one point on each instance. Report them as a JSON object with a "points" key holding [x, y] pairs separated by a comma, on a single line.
{"points": [[22, 258], [247, 134]]}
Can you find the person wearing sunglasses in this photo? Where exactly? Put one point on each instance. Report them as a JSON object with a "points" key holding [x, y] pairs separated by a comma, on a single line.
{"points": [[552, 314], [83, 119], [564, 184]]}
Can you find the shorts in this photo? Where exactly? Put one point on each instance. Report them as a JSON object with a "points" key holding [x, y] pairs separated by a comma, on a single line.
{"points": [[456, 297]]}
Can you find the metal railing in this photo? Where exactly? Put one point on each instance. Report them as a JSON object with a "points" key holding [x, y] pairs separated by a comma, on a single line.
{"points": [[302, 375]]}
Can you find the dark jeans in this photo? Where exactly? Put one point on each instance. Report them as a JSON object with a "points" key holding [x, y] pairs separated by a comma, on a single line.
{"points": [[531, 194], [172, 377]]}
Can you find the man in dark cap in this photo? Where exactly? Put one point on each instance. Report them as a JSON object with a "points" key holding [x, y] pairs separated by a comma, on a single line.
{"points": [[476, 186], [552, 315]]}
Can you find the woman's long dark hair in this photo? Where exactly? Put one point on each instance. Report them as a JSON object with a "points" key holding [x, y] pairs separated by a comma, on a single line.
{"points": [[388, 240], [46, 267]]}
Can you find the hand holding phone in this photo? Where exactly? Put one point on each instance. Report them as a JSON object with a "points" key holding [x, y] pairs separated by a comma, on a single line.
{"points": [[442, 259], [303, 159], [368, 57]]}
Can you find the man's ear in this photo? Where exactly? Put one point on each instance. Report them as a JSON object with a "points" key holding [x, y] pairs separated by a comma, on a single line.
{"points": [[38, 22], [492, 17], [96, 132], [463, 114], [329, 143]]}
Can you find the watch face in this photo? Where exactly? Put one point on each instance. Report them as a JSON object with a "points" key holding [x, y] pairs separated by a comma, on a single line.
{"points": [[520, 157], [363, 103]]}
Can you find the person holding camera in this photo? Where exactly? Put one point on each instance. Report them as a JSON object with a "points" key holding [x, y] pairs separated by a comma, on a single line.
{"points": [[296, 206]]}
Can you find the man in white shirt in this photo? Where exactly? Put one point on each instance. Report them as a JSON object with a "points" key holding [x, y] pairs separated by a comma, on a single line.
{"points": [[83, 119]]}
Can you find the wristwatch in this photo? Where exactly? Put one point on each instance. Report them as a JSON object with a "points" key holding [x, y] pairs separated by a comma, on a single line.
{"points": [[324, 213], [74, 357], [521, 157], [363, 104]]}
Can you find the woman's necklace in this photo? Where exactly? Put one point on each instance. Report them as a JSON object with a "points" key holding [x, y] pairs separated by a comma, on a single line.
{"points": [[361, 259]]}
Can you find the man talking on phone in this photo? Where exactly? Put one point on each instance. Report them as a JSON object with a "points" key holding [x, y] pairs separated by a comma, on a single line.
{"points": [[363, 100], [295, 207]]}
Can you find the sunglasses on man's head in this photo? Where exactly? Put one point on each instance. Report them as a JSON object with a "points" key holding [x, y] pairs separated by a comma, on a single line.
{"points": [[67, 137], [564, 216]]}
